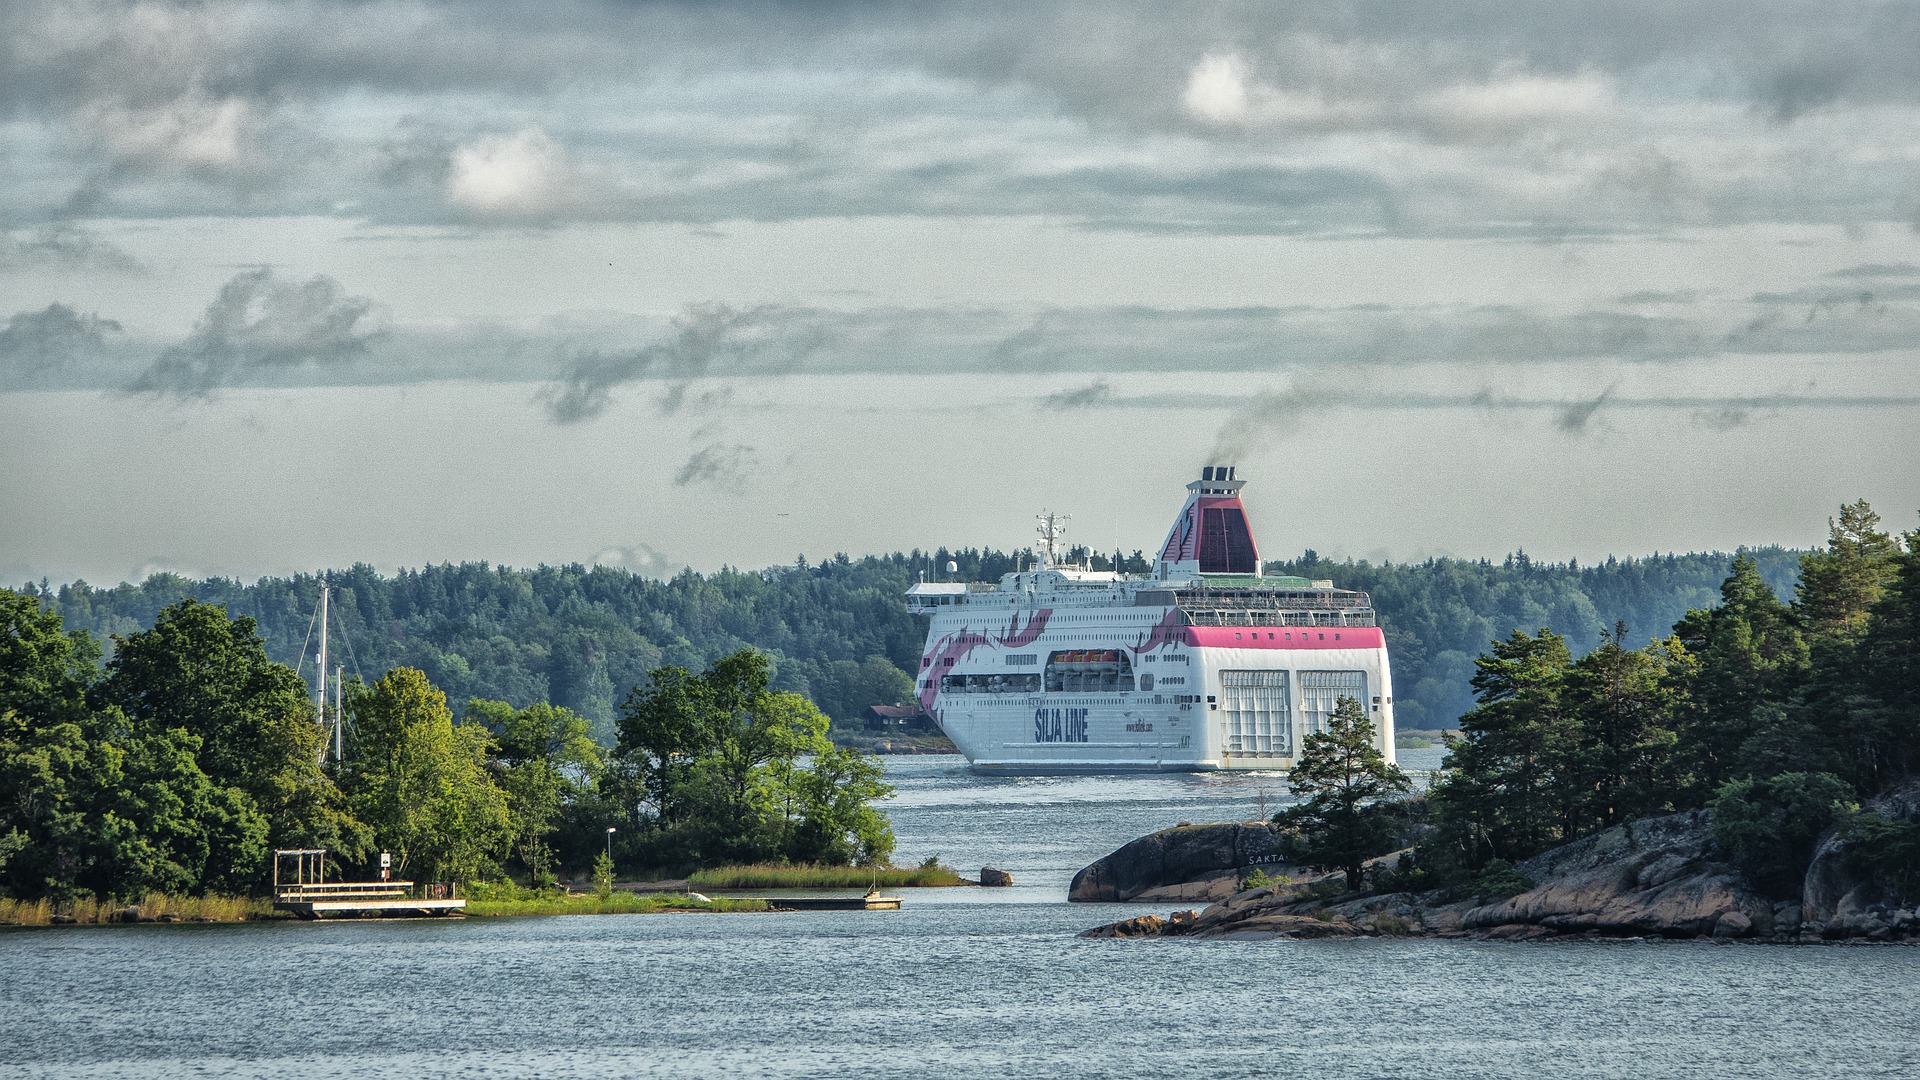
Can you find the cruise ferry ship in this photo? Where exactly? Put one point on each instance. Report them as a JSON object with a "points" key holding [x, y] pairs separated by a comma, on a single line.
{"points": [[1203, 664]]}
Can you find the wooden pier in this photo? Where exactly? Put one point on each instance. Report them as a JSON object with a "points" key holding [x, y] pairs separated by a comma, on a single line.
{"points": [[310, 896], [869, 902]]}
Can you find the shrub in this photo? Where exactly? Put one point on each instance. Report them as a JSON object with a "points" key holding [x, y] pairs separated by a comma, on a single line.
{"points": [[1498, 880], [1258, 878], [1769, 827], [1887, 851]]}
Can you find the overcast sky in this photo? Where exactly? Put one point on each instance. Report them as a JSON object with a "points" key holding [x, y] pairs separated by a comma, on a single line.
{"points": [[292, 285]]}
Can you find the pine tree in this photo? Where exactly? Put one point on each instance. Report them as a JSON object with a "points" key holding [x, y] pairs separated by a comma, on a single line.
{"points": [[1506, 792], [1343, 776], [1746, 652]]}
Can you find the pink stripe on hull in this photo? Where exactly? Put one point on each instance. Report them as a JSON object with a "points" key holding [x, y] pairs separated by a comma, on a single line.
{"points": [[1285, 637]]}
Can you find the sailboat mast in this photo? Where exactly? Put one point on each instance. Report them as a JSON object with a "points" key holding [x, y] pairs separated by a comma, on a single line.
{"points": [[339, 715], [320, 697]]}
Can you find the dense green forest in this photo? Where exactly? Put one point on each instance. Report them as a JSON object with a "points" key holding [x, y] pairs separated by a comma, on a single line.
{"points": [[837, 631], [1785, 719], [180, 763]]}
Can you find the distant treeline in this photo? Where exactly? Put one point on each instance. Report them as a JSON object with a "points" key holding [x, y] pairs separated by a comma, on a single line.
{"points": [[837, 631]]}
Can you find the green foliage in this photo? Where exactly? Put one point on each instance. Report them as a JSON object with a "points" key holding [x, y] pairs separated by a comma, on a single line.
{"points": [[1888, 850], [716, 762], [1498, 880], [1258, 878], [1783, 716], [1509, 792], [424, 785], [1343, 776], [1748, 652], [1770, 827], [1624, 701], [603, 875], [546, 762], [173, 771]]}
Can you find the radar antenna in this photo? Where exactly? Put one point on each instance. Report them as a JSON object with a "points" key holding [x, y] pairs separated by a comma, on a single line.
{"points": [[1051, 529]]}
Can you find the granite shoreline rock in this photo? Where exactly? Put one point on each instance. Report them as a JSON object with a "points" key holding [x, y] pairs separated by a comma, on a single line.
{"points": [[1206, 861], [1657, 877]]}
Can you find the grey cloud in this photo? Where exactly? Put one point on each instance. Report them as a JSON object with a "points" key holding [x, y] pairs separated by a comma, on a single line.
{"points": [[1574, 418], [503, 115], [718, 465], [1796, 89], [1099, 392], [258, 324], [708, 339], [1877, 270], [1676, 296], [1723, 418], [64, 247], [38, 343]]}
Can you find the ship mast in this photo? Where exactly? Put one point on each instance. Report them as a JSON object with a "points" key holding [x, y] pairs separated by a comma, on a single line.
{"points": [[1051, 529]]}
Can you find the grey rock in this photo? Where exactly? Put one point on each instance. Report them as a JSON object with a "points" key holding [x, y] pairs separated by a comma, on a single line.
{"points": [[1657, 877], [1173, 856], [995, 878]]}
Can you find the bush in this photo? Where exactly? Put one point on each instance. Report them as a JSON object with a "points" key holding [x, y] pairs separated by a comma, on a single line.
{"points": [[1258, 878], [1887, 851], [1498, 880], [1769, 828], [603, 876]]}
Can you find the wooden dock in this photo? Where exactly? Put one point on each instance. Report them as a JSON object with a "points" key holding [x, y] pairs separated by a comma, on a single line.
{"points": [[310, 896], [363, 900], [869, 902]]}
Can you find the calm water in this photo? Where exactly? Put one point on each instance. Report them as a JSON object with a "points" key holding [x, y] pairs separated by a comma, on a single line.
{"points": [[987, 981]]}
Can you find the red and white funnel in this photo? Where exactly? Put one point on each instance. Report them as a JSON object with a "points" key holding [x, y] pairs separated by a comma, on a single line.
{"points": [[1212, 534]]}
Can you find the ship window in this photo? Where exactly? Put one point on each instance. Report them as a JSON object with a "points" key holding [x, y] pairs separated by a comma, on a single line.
{"points": [[1320, 691], [1256, 711]]}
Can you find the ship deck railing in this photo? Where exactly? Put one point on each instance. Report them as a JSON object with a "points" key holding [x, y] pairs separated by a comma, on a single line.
{"points": [[1254, 617]]}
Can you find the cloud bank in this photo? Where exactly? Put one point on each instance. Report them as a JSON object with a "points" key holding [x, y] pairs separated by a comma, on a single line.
{"points": [[1235, 117], [261, 324]]}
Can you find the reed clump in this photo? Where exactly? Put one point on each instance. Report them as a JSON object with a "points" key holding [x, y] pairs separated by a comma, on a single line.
{"points": [[153, 907], [809, 876]]}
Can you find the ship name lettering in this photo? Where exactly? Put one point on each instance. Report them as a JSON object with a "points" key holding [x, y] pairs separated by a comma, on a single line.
{"points": [[1059, 725]]}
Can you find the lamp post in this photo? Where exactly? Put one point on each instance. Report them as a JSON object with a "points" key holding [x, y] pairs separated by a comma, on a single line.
{"points": [[610, 831]]}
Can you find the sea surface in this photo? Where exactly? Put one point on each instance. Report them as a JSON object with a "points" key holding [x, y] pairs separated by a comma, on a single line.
{"points": [[972, 982]]}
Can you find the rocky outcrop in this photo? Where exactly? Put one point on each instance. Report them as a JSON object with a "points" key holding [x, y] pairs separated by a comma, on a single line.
{"points": [[1181, 856], [1659, 877], [994, 877], [1839, 900]]}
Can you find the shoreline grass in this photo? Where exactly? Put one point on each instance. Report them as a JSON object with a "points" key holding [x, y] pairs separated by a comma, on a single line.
{"points": [[491, 901], [153, 907], [808, 876]]}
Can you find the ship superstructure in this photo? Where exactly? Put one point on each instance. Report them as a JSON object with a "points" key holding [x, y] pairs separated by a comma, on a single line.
{"points": [[1202, 664]]}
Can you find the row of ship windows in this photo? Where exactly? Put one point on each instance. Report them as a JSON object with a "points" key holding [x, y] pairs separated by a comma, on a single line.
{"points": [[1065, 682]]}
